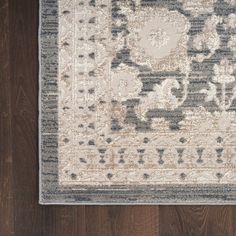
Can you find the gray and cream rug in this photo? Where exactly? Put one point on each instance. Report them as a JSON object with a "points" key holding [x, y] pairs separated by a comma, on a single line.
{"points": [[137, 102]]}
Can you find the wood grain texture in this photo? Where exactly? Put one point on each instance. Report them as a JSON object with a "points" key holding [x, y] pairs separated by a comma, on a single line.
{"points": [[122, 220], [196, 220], [233, 211], [6, 200], [20, 213]]}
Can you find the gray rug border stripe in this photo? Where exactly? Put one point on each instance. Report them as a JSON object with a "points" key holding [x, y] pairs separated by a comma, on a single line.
{"points": [[49, 190]]}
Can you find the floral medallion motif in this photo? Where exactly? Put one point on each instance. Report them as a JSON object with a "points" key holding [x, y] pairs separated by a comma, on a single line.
{"points": [[223, 76], [159, 39], [125, 83]]}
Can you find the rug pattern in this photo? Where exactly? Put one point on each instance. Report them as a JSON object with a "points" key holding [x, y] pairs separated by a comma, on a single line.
{"points": [[144, 95]]}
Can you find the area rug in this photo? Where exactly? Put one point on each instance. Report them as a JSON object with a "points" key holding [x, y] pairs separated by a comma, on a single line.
{"points": [[137, 102]]}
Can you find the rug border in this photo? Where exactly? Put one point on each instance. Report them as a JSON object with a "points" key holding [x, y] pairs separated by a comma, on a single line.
{"points": [[39, 101], [51, 194]]}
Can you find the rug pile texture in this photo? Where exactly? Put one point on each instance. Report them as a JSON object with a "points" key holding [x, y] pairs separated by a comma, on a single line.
{"points": [[137, 101]]}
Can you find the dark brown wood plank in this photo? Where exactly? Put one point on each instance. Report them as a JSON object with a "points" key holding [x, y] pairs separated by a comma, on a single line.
{"points": [[68, 220], [6, 200], [122, 221], [233, 208], [196, 221]]}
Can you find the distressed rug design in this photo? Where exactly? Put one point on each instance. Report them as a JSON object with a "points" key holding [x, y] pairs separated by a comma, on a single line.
{"points": [[137, 102]]}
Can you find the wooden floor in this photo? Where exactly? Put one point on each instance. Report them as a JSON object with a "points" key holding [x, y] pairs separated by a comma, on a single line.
{"points": [[19, 212]]}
